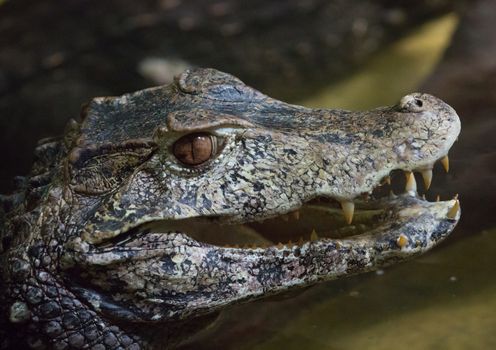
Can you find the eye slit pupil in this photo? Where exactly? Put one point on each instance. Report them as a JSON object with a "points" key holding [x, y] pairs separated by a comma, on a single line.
{"points": [[194, 149]]}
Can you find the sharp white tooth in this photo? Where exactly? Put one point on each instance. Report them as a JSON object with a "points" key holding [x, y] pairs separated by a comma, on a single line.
{"points": [[348, 210], [427, 176], [454, 210], [314, 236], [445, 163], [411, 185], [438, 198]]}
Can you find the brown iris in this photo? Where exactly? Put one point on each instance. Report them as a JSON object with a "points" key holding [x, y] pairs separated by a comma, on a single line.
{"points": [[195, 149]]}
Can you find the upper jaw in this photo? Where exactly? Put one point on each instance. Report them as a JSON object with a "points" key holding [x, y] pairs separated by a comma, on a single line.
{"points": [[348, 206]]}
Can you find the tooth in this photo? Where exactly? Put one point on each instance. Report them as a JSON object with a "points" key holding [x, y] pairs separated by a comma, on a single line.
{"points": [[387, 180], [445, 163], [313, 235], [411, 185], [454, 210], [402, 241], [391, 194], [290, 243], [300, 241], [438, 198], [427, 176], [423, 197], [348, 210], [280, 245]]}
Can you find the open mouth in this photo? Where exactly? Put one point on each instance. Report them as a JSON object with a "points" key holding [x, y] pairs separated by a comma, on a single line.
{"points": [[320, 218], [317, 219]]}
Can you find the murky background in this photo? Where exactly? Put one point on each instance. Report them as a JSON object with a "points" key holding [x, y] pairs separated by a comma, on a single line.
{"points": [[340, 54]]}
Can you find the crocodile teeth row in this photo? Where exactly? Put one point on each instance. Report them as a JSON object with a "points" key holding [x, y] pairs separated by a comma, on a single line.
{"points": [[427, 173], [401, 241], [411, 187]]}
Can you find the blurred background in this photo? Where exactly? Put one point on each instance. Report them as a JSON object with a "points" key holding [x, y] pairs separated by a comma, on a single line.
{"points": [[56, 55]]}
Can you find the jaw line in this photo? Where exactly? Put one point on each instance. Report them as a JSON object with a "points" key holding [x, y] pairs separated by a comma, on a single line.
{"points": [[407, 219], [416, 227]]}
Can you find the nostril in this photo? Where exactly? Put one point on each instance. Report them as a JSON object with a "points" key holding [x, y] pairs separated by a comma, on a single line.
{"points": [[412, 103]]}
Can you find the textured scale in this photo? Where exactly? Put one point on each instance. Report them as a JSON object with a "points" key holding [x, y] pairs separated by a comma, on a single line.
{"points": [[83, 266]]}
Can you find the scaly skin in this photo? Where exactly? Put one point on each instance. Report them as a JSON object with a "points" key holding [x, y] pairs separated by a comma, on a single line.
{"points": [[100, 244]]}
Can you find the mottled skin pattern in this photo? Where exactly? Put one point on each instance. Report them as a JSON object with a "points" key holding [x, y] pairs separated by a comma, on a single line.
{"points": [[96, 251]]}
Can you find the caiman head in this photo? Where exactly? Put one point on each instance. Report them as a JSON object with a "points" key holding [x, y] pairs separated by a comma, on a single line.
{"points": [[177, 201]]}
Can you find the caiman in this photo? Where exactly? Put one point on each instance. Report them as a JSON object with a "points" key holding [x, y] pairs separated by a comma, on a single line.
{"points": [[162, 207]]}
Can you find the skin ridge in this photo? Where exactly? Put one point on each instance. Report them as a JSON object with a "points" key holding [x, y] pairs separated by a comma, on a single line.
{"points": [[81, 268]]}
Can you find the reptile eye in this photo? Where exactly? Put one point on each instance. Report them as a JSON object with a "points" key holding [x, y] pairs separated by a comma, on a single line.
{"points": [[195, 149]]}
